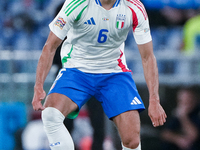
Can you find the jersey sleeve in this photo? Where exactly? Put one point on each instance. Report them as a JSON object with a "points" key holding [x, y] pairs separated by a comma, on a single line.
{"points": [[141, 29], [142, 33], [69, 13]]}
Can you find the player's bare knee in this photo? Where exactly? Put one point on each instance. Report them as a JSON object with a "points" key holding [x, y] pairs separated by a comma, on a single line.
{"points": [[131, 142]]}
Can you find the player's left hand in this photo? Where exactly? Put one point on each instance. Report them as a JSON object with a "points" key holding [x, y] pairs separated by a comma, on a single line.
{"points": [[156, 113]]}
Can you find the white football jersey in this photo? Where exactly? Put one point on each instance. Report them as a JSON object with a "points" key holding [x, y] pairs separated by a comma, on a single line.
{"points": [[95, 36]]}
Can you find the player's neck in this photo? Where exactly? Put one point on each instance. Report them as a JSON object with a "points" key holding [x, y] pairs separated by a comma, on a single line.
{"points": [[107, 4]]}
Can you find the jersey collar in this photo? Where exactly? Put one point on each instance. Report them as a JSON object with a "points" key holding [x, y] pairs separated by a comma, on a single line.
{"points": [[115, 5]]}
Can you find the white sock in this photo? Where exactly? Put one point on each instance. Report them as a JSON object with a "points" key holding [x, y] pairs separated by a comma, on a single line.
{"points": [[125, 148], [58, 136]]}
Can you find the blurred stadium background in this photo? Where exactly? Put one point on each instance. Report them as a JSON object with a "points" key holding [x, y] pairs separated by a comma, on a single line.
{"points": [[24, 29]]}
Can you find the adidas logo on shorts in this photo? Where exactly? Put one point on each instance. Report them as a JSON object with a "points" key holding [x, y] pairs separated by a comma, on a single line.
{"points": [[135, 101]]}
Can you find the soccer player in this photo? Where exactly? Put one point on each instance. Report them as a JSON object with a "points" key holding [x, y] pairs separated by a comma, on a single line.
{"points": [[94, 65]]}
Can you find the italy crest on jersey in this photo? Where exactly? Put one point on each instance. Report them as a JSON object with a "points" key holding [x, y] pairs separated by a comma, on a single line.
{"points": [[120, 20]]}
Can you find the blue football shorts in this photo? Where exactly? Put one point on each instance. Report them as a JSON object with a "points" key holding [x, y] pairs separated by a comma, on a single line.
{"points": [[117, 92]]}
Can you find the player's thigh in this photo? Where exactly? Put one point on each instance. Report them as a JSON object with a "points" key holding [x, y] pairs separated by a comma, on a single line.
{"points": [[128, 125], [61, 102]]}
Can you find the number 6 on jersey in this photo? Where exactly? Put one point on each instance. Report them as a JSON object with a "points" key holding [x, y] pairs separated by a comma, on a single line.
{"points": [[102, 36]]}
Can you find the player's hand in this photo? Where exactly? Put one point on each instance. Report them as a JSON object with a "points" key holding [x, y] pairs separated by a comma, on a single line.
{"points": [[156, 113], [39, 95]]}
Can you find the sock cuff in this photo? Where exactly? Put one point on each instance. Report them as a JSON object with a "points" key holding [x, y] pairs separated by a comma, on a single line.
{"points": [[125, 148]]}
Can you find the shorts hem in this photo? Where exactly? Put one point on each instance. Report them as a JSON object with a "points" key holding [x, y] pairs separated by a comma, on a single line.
{"points": [[114, 115]]}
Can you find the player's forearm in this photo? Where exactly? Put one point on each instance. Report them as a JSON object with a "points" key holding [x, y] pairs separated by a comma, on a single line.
{"points": [[150, 69], [46, 58], [151, 76], [44, 64]]}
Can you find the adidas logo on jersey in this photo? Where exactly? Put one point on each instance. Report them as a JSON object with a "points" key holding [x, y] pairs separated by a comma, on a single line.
{"points": [[135, 101], [90, 21]]}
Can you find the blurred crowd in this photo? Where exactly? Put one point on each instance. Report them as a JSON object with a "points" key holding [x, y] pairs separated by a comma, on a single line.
{"points": [[175, 28], [24, 23], [182, 131]]}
